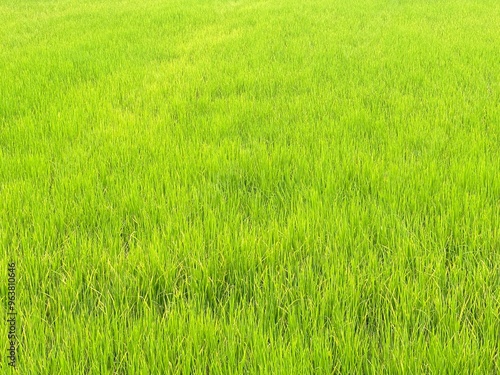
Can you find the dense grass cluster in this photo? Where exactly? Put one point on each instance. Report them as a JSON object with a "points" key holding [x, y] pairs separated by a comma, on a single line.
{"points": [[274, 187]]}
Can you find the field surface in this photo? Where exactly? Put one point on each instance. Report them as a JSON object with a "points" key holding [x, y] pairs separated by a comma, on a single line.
{"points": [[251, 187]]}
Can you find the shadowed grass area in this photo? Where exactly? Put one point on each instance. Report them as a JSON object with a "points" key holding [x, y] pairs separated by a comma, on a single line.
{"points": [[275, 187]]}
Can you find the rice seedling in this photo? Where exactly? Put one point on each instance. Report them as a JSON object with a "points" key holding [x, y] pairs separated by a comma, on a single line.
{"points": [[275, 187]]}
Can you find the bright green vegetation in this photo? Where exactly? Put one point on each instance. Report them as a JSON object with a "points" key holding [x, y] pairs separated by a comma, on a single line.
{"points": [[272, 187]]}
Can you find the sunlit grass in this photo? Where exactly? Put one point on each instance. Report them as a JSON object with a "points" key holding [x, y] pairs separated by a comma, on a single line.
{"points": [[251, 187]]}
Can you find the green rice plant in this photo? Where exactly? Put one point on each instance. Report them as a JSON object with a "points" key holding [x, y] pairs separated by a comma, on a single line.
{"points": [[268, 187]]}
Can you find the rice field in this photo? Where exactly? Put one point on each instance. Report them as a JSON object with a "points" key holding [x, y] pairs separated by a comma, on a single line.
{"points": [[251, 187]]}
